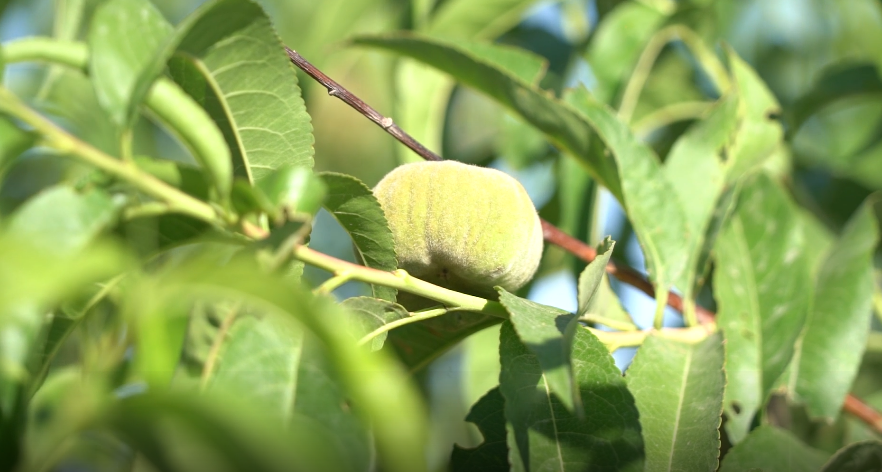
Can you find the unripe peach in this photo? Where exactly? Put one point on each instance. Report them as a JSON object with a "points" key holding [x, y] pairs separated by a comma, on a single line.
{"points": [[460, 226]]}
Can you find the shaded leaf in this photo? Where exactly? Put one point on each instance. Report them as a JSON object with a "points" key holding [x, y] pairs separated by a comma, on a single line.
{"points": [[488, 414], [373, 380], [418, 344], [124, 35], [762, 287], [543, 435], [835, 335], [354, 206], [678, 389], [769, 449], [184, 433], [548, 333], [836, 82], [864, 456], [372, 313], [232, 62]]}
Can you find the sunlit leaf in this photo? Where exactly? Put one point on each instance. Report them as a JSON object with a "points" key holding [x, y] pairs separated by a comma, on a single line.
{"points": [[678, 388], [358, 211], [696, 158], [762, 287], [124, 35], [836, 329], [232, 62]]}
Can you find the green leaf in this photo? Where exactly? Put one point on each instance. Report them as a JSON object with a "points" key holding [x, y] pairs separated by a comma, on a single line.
{"points": [[184, 433], [659, 221], [858, 457], [564, 126], [372, 313], [835, 335], [598, 302], [34, 280], [124, 36], [836, 82], [523, 64], [548, 333], [231, 61], [61, 220], [464, 19], [292, 190], [617, 44], [272, 362], [758, 135], [543, 435], [696, 157], [13, 142], [762, 287], [591, 278], [488, 414], [678, 388], [372, 380], [769, 449], [356, 209]]}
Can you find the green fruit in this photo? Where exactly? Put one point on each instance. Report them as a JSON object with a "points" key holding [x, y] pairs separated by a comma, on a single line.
{"points": [[460, 226]]}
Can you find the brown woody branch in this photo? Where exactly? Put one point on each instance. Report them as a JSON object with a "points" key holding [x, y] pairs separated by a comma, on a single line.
{"points": [[552, 234]]}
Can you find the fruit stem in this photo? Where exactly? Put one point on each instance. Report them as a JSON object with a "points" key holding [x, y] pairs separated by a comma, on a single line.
{"points": [[401, 280]]}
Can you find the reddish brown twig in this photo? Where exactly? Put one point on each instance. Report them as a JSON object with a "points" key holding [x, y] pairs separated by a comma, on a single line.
{"points": [[551, 233], [860, 410]]}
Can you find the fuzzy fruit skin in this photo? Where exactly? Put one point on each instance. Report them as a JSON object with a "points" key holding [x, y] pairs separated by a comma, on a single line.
{"points": [[463, 227]]}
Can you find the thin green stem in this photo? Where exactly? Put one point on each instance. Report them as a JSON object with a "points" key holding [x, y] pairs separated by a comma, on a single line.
{"points": [[668, 115], [66, 143], [401, 280], [614, 324], [614, 340], [711, 65], [333, 283], [414, 318]]}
